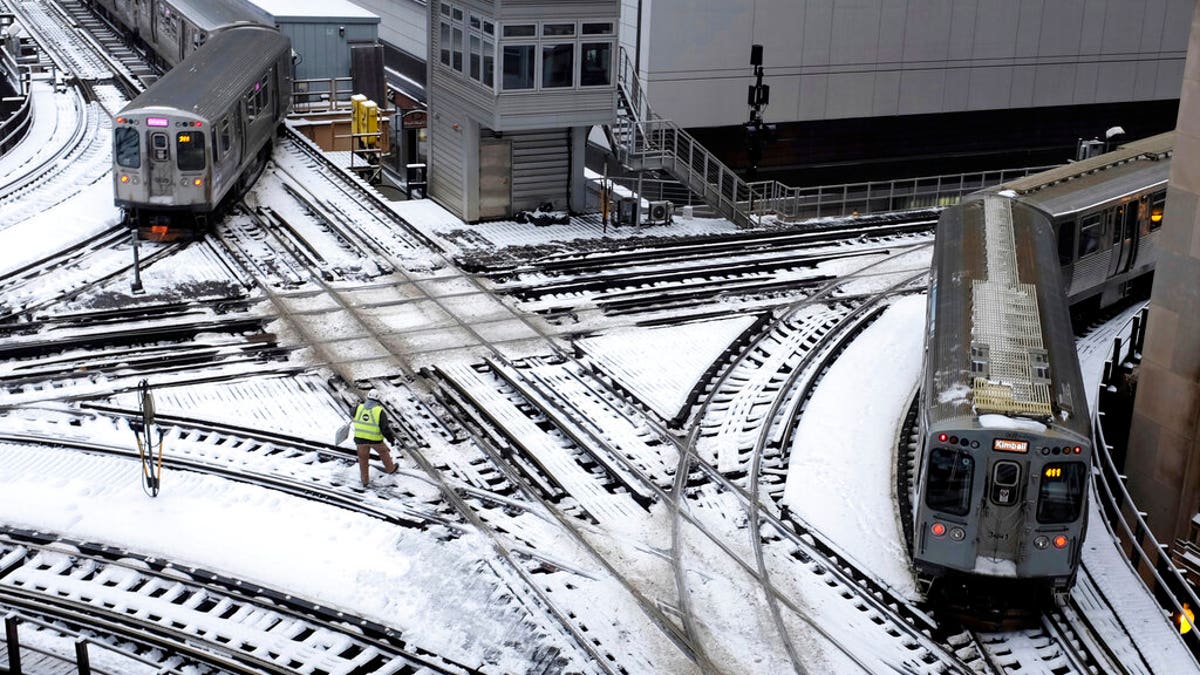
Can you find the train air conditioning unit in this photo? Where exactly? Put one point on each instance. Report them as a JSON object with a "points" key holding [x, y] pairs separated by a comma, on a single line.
{"points": [[660, 213]]}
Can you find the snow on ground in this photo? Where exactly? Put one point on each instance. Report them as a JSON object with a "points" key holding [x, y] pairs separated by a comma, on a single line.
{"points": [[661, 365], [88, 213], [841, 479], [300, 405], [345, 560], [54, 117], [456, 237], [1153, 636]]}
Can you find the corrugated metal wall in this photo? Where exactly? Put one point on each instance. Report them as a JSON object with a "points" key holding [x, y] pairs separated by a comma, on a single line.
{"points": [[446, 183], [541, 168], [323, 52]]}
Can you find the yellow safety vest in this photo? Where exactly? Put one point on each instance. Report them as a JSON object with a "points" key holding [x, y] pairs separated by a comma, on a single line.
{"points": [[366, 423]]}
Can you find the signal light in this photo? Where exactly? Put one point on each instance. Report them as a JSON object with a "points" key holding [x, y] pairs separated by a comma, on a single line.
{"points": [[942, 437], [198, 182], [1060, 541], [938, 529]]}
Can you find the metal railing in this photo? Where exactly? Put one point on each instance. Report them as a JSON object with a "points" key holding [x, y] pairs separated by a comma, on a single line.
{"points": [[322, 94], [646, 141], [1149, 559], [12, 129]]}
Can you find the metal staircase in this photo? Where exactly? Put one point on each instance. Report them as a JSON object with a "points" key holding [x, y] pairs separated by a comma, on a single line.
{"points": [[644, 141]]}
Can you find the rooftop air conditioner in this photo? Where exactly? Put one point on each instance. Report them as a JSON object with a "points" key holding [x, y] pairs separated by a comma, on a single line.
{"points": [[660, 213]]}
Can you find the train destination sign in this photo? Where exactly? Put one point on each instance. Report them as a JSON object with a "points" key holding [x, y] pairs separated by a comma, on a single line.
{"points": [[1005, 445]]}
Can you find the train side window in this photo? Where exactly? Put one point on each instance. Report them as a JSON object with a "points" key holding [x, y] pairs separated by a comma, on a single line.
{"points": [[264, 92], [1158, 206], [1066, 242], [127, 146], [189, 150], [948, 481], [225, 136], [1090, 229], [1060, 497]]}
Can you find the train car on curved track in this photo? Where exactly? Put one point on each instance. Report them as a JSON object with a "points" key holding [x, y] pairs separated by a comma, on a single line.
{"points": [[173, 29], [1106, 212], [203, 130], [999, 504]]}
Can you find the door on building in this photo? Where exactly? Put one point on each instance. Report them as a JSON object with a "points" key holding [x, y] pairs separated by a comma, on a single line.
{"points": [[495, 178]]}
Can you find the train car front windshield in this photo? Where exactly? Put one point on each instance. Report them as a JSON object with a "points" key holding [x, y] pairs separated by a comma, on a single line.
{"points": [[128, 147], [189, 150], [1060, 497], [950, 475]]}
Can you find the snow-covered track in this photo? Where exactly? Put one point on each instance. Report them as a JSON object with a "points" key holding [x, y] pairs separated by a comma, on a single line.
{"points": [[87, 265], [194, 615], [752, 478], [351, 206], [77, 356], [673, 277], [73, 47], [129, 62], [80, 156], [541, 490]]}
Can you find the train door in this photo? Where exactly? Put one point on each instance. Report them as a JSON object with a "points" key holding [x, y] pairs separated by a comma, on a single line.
{"points": [[1001, 518], [1124, 237], [162, 173]]}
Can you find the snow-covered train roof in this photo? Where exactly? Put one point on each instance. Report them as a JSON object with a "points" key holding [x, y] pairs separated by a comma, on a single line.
{"points": [[1000, 340]]}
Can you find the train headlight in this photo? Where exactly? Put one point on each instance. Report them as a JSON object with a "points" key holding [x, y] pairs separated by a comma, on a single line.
{"points": [[1060, 541], [124, 178], [938, 529], [1041, 542], [957, 533], [198, 182]]}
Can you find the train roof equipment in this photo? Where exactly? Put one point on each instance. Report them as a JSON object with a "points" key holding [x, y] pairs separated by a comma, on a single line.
{"points": [[231, 64], [1000, 340]]}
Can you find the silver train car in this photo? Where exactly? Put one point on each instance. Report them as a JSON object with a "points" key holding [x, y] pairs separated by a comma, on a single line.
{"points": [[202, 130], [173, 29], [1000, 485], [1107, 213]]}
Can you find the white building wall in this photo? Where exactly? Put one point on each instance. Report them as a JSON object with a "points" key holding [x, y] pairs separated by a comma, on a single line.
{"points": [[402, 23], [829, 59]]}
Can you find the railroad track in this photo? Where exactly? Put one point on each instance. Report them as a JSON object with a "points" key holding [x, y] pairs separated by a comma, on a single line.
{"points": [[586, 474], [660, 282], [199, 617], [313, 471]]}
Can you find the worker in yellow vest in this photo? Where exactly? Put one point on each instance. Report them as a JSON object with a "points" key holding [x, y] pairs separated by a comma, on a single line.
{"points": [[370, 428]]}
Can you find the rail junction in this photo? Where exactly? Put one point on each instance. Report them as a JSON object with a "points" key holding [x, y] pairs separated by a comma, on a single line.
{"points": [[585, 507]]}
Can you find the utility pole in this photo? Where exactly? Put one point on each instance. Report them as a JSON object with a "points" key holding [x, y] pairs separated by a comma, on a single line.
{"points": [[758, 97]]}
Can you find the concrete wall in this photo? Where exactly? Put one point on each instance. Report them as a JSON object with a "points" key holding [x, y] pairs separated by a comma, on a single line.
{"points": [[1164, 446], [830, 59]]}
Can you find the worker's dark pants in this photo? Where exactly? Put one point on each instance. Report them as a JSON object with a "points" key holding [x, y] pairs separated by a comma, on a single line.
{"points": [[364, 456]]}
